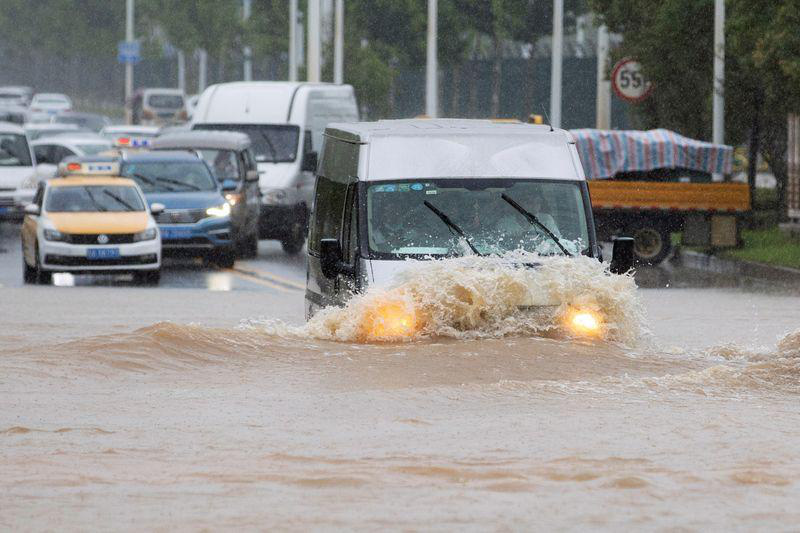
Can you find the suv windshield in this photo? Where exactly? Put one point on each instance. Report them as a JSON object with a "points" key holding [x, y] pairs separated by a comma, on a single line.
{"points": [[14, 151], [92, 198], [171, 176], [272, 143], [165, 101], [400, 223]]}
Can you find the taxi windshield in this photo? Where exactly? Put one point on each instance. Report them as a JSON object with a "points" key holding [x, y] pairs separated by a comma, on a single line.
{"points": [[427, 217], [171, 176], [93, 198], [14, 151]]}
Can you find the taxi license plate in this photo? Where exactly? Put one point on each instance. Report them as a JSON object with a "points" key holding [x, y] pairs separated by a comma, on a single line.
{"points": [[5, 209], [102, 253], [176, 233]]}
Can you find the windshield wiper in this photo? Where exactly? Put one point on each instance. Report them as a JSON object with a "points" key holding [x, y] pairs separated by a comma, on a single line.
{"points": [[94, 200], [128, 207], [535, 221], [179, 183], [452, 225], [269, 145], [149, 181]]}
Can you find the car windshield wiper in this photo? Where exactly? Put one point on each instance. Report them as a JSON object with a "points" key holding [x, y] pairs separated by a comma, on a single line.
{"points": [[179, 183], [534, 221], [128, 207], [94, 200], [269, 145], [451, 225], [149, 181]]}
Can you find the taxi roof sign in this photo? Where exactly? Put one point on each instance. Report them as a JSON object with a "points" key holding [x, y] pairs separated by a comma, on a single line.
{"points": [[127, 141], [77, 168]]}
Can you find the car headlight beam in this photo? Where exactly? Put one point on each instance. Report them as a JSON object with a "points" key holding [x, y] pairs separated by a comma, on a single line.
{"points": [[219, 210]]}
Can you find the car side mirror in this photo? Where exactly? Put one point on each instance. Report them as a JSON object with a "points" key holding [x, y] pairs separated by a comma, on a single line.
{"points": [[32, 209], [622, 255], [251, 175], [309, 162], [229, 185], [156, 208]]}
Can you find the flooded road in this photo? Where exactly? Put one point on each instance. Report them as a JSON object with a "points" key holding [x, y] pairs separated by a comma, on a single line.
{"points": [[183, 408]]}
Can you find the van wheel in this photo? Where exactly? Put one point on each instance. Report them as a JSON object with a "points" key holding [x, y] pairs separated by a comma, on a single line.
{"points": [[292, 246], [651, 243], [248, 248]]}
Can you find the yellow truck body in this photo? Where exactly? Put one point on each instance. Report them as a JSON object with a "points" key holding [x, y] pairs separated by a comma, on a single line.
{"points": [[673, 196]]}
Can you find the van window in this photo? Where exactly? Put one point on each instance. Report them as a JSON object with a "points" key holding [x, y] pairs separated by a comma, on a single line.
{"points": [[329, 207], [271, 143]]}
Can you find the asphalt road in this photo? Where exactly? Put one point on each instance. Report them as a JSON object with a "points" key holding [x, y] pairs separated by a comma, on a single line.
{"points": [[272, 270]]}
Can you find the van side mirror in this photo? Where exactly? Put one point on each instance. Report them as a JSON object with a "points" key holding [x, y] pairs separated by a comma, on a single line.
{"points": [[251, 175], [228, 185], [32, 209], [157, 208], [331, 257], [622, 255], [309, 162]]}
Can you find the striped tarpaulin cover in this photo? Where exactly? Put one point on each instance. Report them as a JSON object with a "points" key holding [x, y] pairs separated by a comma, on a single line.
{"points": [[606, 152]]}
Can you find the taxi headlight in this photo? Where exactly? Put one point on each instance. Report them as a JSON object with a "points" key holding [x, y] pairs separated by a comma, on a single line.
{"points": [[147, 235], [55, 235], [219, 210]]}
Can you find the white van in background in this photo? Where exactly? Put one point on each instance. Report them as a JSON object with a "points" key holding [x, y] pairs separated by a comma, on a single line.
{"points": [[285, 122]]}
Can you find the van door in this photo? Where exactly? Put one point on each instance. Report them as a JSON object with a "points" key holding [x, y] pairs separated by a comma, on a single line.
{"points": [[306, 186]]}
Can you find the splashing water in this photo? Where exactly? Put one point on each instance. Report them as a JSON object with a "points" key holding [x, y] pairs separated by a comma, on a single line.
{"points": [[479, 297]]}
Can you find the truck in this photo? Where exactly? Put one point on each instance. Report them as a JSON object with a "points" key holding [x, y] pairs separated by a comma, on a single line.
{"points": [[650, 184]]}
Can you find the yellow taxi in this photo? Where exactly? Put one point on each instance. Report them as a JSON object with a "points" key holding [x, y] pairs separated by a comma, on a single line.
{"points": [[89, 220]]}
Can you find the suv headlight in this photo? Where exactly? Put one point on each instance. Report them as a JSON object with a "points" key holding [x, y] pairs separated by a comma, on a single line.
{"points": [[219, 210], [147, 235], [55, 235]]}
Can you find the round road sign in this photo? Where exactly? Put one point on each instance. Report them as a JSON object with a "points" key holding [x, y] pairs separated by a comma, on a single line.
{"points": [[628, 81]]}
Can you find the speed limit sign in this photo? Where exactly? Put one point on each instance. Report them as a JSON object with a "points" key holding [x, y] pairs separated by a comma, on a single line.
{"points": [[628, 81]]}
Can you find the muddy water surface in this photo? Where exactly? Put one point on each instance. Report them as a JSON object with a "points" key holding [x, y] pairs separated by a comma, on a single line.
{"points": [[487, 421]]}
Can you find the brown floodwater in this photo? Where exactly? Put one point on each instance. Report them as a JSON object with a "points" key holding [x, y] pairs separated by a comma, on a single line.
{"points": [[683, 414]]}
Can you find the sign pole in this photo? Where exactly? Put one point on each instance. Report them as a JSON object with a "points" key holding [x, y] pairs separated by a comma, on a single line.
{"points": [[338, 43], [292, 40], [431, 67], [718, 135], [313, 67], [129, 64], [555, 67], [247, 51]]}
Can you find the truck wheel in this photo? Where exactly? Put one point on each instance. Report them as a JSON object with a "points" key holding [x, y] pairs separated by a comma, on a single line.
{"points": [[651, 244]]}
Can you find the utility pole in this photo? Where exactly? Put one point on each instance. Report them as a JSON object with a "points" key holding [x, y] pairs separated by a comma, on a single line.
{"points": [[247, 51], [314, 45], [338, 43], [292, 40], [129, 64], [202, 68], [603, 109], [431, 67], [181, 71], [719, 72], [555, 67]]}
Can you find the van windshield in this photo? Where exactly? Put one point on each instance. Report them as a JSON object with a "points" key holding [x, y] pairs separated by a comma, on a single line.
{"points": [[400, 223], [271, 143]]}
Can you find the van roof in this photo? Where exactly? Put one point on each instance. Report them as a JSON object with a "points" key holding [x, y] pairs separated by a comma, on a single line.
{"points": [[255, 102], [9, 127], [462, 148], [212, 140]]}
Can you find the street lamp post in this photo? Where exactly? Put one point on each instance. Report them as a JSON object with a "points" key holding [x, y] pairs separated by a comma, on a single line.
{"points": [[338, 43], [313, 62], [555, 67], [247, 51], [292, 40], [431, 70], [129, 64], [718, 133]]}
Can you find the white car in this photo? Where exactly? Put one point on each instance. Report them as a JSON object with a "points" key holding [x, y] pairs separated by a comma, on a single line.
{"points": [[15, 95], [52, 103], [52, 150], [90, 221], [17, 170], [35, 130]]}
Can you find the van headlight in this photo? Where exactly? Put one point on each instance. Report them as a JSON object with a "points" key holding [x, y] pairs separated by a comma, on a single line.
{"points": [[147, 235], [55, 235], [219, 210], [585, 322]]}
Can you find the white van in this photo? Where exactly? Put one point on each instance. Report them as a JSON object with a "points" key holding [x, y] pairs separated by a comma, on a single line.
{"points": [[285, 121], [395, 190]]}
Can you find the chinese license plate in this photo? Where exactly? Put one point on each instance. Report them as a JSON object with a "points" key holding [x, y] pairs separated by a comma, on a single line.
{"points": [[175, 233], [102, 253]]}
